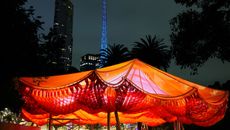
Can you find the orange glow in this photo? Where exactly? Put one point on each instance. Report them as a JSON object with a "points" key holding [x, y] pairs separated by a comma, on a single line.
{"points": [[139, 92]]}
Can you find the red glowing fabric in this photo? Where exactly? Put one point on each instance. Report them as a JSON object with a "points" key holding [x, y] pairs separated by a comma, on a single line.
{"points": [[139, 92]]}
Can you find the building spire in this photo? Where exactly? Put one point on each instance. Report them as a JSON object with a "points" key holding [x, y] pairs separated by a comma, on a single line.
{"points": [[104, 30]]}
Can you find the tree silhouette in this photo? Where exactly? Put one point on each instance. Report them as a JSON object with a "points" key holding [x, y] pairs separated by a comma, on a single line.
{"points": [[115, 54], [50, 48], [152, 51], [201, 32], [49, 54], [18, 50]]}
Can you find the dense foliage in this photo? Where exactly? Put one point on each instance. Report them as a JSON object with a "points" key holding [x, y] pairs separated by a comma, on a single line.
{"points": [[201, 32], [153, 51], [19, 46], [115, 54]]}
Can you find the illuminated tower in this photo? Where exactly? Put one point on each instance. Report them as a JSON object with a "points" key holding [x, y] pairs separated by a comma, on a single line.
{"points": [[63, 24], [104, 29]]}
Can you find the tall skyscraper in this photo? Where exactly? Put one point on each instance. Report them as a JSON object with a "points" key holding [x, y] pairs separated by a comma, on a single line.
{"points": [[104, 43], [63, 26]]}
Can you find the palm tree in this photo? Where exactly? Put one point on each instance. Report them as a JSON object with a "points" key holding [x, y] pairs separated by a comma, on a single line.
{"points": [[152, 51], [115, 54]]}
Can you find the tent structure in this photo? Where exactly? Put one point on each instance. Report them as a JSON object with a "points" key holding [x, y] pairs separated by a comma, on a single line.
{"points": [[133, 90]]}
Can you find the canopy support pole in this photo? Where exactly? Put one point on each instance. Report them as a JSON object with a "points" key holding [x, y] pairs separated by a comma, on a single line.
{"points": [[177, 125], [174, 125], [91, 127], [108, 121], [139, 124], [118, 126], [50, 122]]}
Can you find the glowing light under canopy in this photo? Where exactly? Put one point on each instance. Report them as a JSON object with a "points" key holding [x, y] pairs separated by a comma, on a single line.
{"points": [[137, 91]]}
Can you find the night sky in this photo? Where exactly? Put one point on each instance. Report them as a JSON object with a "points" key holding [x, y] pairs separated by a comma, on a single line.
{"points": [[128, 21]]}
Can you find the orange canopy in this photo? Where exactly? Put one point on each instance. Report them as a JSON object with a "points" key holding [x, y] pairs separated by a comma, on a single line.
{"points": [[137, 91]]}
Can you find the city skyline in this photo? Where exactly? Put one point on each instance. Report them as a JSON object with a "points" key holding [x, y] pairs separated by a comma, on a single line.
{"points": [[128, 21]]}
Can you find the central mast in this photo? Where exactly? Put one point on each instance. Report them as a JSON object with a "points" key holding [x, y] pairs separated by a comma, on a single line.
{"points": [[104, 30]]}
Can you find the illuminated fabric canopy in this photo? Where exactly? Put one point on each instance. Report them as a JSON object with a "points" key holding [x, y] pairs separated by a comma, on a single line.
{"points": [[137, 91]]}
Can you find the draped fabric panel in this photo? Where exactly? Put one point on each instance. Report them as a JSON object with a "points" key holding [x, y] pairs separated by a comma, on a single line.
{"points": [[138, 91]]}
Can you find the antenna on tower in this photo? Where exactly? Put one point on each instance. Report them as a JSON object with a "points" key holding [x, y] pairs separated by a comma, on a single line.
{"points": [[104, 31]]}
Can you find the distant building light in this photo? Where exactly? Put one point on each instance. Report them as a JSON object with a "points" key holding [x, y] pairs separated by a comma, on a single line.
{"points": [[53, 62], [63, 49]]}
